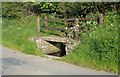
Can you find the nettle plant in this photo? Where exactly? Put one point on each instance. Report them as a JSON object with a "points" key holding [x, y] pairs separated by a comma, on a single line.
{"points": [[104, 39]]}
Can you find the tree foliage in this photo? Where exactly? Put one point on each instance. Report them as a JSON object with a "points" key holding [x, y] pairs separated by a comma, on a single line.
{"points": [[12, 10], [62, 9], [15, 9], [83, 8]]}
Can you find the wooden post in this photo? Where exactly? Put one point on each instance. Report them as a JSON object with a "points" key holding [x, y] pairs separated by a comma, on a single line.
{"points": [[38, 25], [76, 30], [67, 24], [76, 22], [46, 21], [100, 18]]}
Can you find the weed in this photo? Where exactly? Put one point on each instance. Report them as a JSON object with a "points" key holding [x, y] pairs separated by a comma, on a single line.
{"points": [[99, 47]]}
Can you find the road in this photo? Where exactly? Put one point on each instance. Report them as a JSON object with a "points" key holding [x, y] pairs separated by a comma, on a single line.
{"points": [[17, 63]]}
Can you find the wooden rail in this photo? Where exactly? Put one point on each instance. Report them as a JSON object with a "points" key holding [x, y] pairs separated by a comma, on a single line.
{"points": [[60, 29], [68, 19], [75, 21]]}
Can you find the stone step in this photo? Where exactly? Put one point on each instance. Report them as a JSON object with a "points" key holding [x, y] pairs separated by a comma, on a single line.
{"points": [[46, 46], [55, 39]]}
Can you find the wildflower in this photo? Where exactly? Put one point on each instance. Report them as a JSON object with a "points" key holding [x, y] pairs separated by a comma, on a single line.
{"points": [[94, 23], [81, 15], [66, 28], [88, 22], [111, 25]]}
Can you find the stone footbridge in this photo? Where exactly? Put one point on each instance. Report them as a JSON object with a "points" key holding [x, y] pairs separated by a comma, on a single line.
{"points": [[56, 45]]}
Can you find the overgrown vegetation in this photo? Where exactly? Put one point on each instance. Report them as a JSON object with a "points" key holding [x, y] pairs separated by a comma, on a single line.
{"points": [[99, 48], [16, 34]]}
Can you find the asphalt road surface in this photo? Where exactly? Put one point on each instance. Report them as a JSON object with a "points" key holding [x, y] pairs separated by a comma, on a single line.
{"points": [[17, 63]]}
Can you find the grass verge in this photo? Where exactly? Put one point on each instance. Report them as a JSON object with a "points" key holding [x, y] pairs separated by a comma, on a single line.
{"points": [[98, 48], [15, 35]]}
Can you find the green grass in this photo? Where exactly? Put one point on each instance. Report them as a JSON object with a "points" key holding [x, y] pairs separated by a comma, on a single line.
{"points": [[15, 34], [99, 47]]}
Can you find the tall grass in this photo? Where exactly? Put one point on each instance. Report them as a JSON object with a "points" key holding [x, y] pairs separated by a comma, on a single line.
{"points": [[99, 47], [15, 34]]}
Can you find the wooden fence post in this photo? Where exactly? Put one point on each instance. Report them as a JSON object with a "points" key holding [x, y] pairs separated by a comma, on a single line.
{"points": [[76, 21], [100, 18], [67, 24], [76, 30], [46, 21], [38, 25]]}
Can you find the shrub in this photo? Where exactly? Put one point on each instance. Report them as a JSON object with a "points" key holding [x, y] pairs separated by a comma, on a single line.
{"points": [[99, 47]]}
